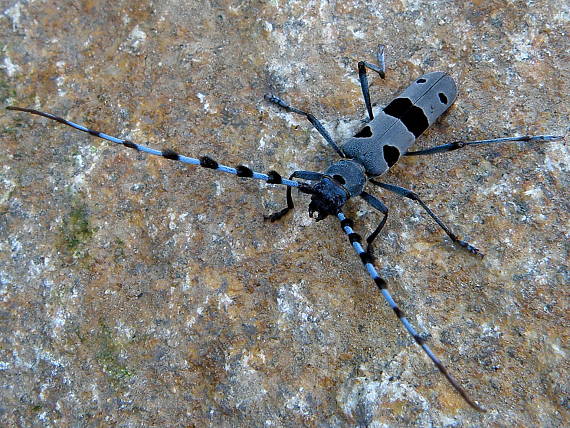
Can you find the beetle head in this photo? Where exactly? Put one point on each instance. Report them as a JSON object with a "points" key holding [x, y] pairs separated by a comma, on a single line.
{"points": [[328, 197]]}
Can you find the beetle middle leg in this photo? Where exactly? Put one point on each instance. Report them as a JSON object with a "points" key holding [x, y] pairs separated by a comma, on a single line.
{"points": [[411, 195], [378, 205]]}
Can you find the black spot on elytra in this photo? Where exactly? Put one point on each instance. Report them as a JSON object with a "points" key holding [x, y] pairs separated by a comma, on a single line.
{"points": [[412, 116], [364, 133], [391, 155]]}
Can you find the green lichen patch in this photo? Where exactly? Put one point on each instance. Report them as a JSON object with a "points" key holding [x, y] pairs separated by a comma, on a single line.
{"points": [[108, 356], [6, 91], [76, 231]]}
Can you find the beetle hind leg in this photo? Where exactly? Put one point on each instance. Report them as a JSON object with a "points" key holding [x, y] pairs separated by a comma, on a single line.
{"points": [[363, 77], [455, 145], [411, 195]]}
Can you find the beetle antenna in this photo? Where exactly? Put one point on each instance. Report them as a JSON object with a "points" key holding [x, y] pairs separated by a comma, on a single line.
{"points": [[368, 262]]}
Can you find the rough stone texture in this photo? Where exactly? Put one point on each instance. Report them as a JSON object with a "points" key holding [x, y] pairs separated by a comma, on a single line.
{"points": [[136, 291]]}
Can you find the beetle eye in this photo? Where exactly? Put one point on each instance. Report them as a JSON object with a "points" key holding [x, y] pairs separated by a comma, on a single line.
{"points": [[339, 178]]}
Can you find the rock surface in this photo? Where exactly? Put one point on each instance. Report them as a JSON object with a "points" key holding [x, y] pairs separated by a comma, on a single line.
{"points": [[141, 292]]}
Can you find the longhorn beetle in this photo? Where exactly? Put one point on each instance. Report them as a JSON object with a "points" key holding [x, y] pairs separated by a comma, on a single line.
{"points": [[370, 153]]}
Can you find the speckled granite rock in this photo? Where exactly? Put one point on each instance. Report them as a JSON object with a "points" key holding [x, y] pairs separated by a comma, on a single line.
{"points": [[138, 292]]}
